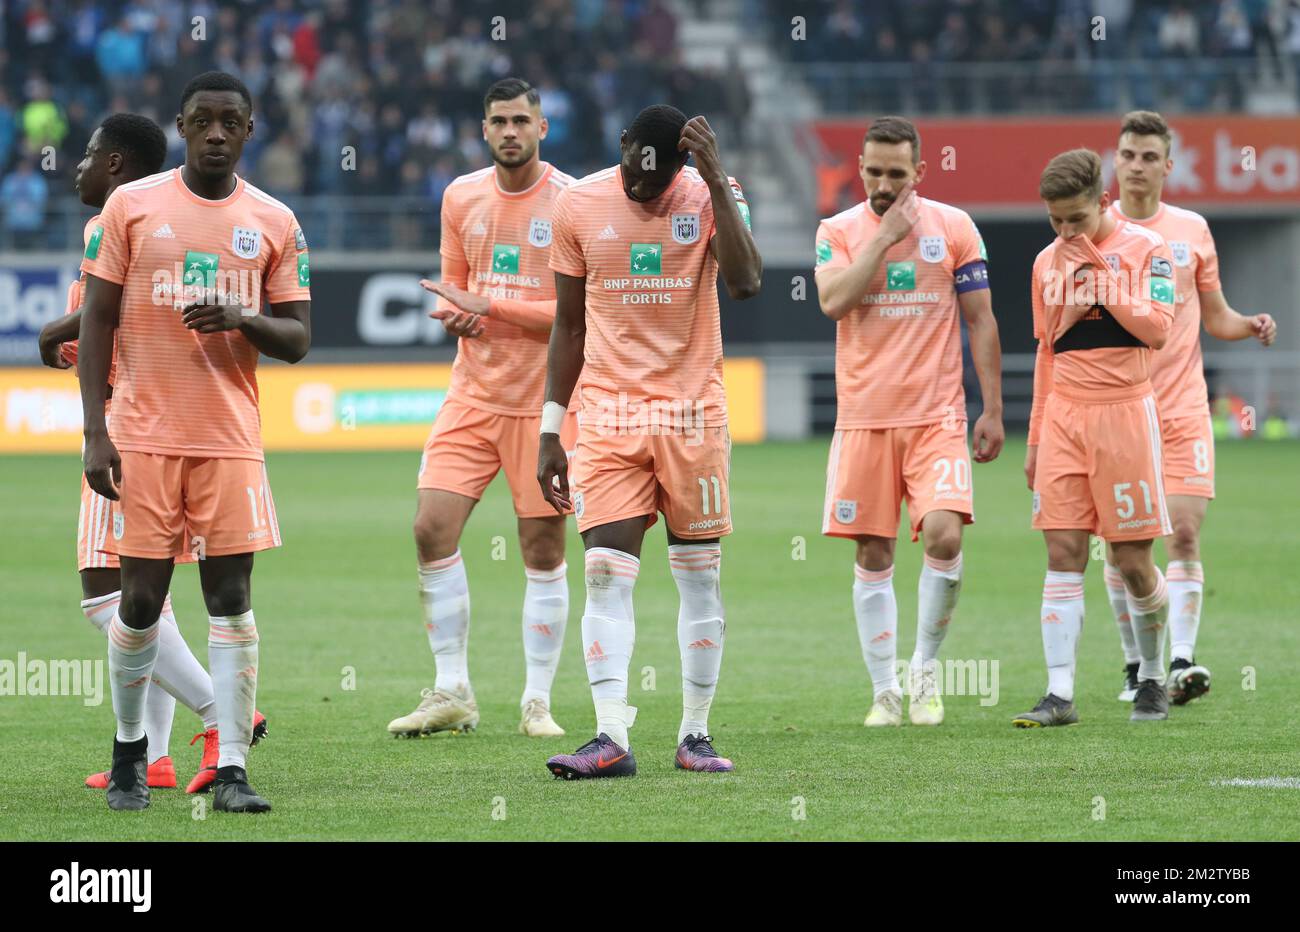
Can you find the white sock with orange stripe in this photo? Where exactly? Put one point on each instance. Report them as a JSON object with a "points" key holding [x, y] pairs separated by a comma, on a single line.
{"points": [[131, 656], [1186, 593], [159, 704], [1118, 597], [608, 635], [444, 592], [1062, 624], [232, 656], [936, 597], [697, 569], [100, 610], [1150, 612], [546, 614], [179, 672], [876, 610]]}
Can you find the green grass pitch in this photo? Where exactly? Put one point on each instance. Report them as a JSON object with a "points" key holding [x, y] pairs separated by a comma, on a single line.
{"points": [[341, 596]]}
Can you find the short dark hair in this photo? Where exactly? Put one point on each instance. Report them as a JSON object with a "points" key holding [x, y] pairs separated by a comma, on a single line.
{"points": [[216, 81], [509, 89], [894, 130], [138, 138], [1071, 174], [660, 127], [1147, 123]]}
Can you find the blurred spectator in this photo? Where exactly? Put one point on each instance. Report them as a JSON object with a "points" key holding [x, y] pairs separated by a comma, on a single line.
{"points": [[120, 54], [43, 123], [23, 194]]}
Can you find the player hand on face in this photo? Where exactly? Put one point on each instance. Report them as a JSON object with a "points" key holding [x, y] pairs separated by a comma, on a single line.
{"points": [[470, 303], [1264, 327], [1031, 464], [50, 355], [698, 139], [901, 216], [103, 466], [553, 472], [988, 438], [215, 312]]}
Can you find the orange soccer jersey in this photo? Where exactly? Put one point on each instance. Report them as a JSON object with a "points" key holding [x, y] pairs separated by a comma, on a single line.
{"points": [[1177, 371], [496, 243], [654, 339], [898, 356], [179, 392], [76, 295]]}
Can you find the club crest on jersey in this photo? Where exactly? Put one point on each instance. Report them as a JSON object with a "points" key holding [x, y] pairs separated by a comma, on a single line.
{"points": [[1182, 252], [1113, 261], [539, 232], [845, 511], [686, 228], [933, 248], [579, 506], [246, 243], [119, 525]]}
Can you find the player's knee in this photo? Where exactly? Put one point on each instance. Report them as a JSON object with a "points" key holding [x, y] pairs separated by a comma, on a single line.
{"points": [[140, 606], [1067, 555], [542, 552], [1184, 543], [875, 553], [943, 543], [432, 538], [227, 597]]}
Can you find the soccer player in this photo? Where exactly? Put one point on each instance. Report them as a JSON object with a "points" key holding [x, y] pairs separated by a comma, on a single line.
{"points": [[637, 251], [1103, 296], [498, 297], [894, 272], [197, 271], [125, 148], [1142, 163]]}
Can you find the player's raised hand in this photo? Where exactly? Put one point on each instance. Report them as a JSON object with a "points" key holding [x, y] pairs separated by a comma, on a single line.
{"points": [[214, 313], [471, 303], [988, 438], [103, 466], [460, 323], [553, 472], [901, 216], [1031, 464], [1264, 328], [697, 138]]}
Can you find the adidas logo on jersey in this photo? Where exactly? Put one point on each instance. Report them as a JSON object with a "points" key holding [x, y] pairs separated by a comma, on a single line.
{"points": [[608, 232], [164, 232], [478, 229]]}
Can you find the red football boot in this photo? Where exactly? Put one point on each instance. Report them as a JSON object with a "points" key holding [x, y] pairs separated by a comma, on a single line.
{"points": [[162, 776], [202, 781]]}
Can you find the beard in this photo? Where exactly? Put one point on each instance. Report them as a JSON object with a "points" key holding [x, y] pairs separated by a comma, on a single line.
{"points": [[513, 159]]}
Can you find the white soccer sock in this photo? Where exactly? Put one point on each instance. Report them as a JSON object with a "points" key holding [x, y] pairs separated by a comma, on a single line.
{"points": [[444, 590], [697, 569], [159, 710], [936, 597], [1062, 624], [546, 613], [1186, 588], [232, 656], [1150, 612], [1118, 597], [131, 656], [179, 672], [876, 610], [99, 611], [608, 636]]}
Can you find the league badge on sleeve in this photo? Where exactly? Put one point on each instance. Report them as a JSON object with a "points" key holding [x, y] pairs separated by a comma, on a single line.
{"points": [[686, 228], [246, 243], [933, 248], [539, 233]]}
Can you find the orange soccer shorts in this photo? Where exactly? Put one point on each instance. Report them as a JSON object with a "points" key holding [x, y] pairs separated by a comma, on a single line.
{"points": [[617, 475], [1188, 447], [469, 446], [1099, 468], [872, 471], [191, 506]]}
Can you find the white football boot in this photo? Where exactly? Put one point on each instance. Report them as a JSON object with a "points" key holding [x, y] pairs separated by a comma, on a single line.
{"points": [[924, 705], [439, 710], [536, 721], [886, 710]]}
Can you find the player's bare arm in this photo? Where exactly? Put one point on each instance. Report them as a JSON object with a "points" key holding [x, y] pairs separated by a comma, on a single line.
{"points": [[54, 334], [986, 350], [839, 291], [530, 315], [1224, 323], [99, 317], [733, 245], [284, 332], [563, 365]]}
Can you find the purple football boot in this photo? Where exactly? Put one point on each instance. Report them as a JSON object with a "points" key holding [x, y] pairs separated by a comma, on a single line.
{"points": [[599, 757], [696, 753]]}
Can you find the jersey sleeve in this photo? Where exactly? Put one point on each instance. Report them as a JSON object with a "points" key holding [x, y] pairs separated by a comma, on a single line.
{"points": [[455, 264], [1044, 360], [288, 274], [1152, 313], [566, 251], [1036, 301], [1207, 263], [742, 205], [832, 248], [108, 245], [970, 271]]}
